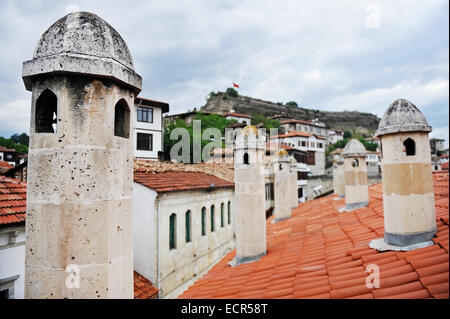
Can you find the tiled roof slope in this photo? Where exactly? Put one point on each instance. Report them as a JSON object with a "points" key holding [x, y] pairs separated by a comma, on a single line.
{"points": [[143, 289], [13, 194], [321, 253], [179, 181]]}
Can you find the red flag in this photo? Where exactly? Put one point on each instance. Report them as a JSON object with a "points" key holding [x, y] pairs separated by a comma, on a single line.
{"points": [[235, 85]]}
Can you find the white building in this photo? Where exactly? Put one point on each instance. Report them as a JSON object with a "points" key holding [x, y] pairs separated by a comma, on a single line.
{"points": [[373, 163], [182, 225], [313, 145], [148, 128], [12, 238], [240, 118], [313, 127], [335, 135]]}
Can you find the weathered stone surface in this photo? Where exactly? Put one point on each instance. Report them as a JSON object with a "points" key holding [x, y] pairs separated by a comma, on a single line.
{"points": [[354, 148], [82, 43], [402, 116]]}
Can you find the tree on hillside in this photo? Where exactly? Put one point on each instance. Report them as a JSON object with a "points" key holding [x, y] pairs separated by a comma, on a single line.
{"points": [[347, 134], [267, 123], [232, 92], [292, 103]]}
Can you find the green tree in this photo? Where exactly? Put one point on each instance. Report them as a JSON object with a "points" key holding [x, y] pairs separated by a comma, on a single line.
{"points": [[265, 121], [347, 134], [292, 103], [9, 143], [232, 92]]}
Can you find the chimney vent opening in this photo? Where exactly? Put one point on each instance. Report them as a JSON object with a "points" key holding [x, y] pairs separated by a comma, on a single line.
{"points": [[410, 147]]}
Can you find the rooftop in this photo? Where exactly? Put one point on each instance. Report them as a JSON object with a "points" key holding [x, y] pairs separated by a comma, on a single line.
{"points": [[321, 253], [149, 102], [143, 289], [293, 121], [354, 148], [238, 115], [172, 181], [13, 195], [4, 149]]}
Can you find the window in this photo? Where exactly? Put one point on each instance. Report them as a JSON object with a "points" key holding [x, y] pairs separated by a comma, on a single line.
{"points": [[222, 221], [410, 147], [355, 163], [310, 158], [172, 231], [229, 212], [300, 193], [304, 143], [212, 219], [144, 142], [145, 114], [319, 145], [122, 119], [188, 226], [203, 221], [45, 113], [246, 162], [313, 144]]}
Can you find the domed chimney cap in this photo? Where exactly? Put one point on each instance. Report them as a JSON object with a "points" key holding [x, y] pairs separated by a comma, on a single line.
{"points": [[354, 148], [402, 116], [82, 43]]}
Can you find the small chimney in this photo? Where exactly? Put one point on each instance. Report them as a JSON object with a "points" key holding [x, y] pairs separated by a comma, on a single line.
{"points": [[355, 175], [408, 194], [293, 188], [249, 186], [282, 184], [338, 179]]}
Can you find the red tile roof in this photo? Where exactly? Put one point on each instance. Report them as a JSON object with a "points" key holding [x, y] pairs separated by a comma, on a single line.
{"points": [[143, 289], [271, 145], [238, 115], [4, 164], [444, 166], [172, 181], [321, 253], [4, 149], [292, 134], [13, 194]]}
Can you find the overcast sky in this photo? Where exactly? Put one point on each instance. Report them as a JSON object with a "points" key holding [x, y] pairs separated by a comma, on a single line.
{"points": [[328, 55]]}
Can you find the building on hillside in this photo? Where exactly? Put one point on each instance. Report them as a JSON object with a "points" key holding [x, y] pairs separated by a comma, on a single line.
{"points": [[335, 135], [240, 118], [375, 140], [183, 224], [148, 128], [313, 145], [10, 156], [313, 127], [188, 117], [373, 163], [13, 195], [437, 145]]}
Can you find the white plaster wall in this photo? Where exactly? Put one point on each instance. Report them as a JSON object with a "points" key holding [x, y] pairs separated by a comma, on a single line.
{"points": [[144, 225], [179, 265], [12, 260], [150, 128]]}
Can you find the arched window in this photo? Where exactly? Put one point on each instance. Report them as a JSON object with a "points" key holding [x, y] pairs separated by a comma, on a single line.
{"points": [[355, 163], [203, 221], [246, 161], [188, 226], [122, 119], [410, 147], [212, 219], [172, 231], [45, 113], [229, 212], [222, 221]]}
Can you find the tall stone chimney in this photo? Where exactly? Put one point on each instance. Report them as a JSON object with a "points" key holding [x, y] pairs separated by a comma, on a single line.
{"points": [[408, 194], [250, 225], [338, 179], [282, 184], [79, 240], [293, 188], [355, 175]]}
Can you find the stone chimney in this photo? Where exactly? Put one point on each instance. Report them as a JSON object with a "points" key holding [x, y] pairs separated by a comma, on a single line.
{"points": [[282, 184], [408, 194], [338, 179], [293, 188], [249, 186], [79, 237], [355, 175]]}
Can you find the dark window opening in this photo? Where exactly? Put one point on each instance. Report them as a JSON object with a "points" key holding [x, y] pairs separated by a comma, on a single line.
{"points": [[355, 163], [46, 115], [213, 228], [300, 192], [310, 158], [172, 231], [246, 161], [122, 119], [222, 218], [144, 142], [410, 147], [4, 294], [203, 221], [145, 114], [188, 226], [229, 212]]}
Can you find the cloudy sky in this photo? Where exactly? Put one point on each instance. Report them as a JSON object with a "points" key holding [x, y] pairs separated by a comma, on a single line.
{"points": [[329, 55]]}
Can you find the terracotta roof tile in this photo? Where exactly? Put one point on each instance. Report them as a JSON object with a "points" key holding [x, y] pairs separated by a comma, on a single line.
{"points": [[143, 289], [12, 201], [320, 253]]}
